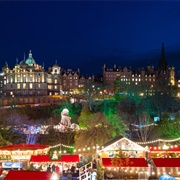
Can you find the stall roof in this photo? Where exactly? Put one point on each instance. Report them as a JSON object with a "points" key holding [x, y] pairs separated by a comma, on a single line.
{"points": [[28, 175], [46, 158], [24, 147], [166, 162], [122, 143], [132, 162]]}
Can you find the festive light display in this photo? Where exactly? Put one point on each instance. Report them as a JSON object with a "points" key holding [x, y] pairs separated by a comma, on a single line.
{"points": [[160, 140]]}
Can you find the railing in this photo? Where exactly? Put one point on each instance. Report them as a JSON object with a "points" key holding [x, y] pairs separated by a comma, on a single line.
{"points": [[85, 175]]}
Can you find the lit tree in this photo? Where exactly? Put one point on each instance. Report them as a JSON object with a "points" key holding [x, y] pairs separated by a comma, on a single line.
{"points": [[144, 126], [98, 134], [85, 117]]}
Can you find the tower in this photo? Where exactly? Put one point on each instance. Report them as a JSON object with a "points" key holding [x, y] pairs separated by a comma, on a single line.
{"points": [[162, 63]]}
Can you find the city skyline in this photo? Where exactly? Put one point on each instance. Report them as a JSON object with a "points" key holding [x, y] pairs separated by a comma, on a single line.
{"points": [[87, 35]]}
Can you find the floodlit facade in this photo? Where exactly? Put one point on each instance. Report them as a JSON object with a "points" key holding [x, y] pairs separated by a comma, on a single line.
{"points": [[29, 82]]}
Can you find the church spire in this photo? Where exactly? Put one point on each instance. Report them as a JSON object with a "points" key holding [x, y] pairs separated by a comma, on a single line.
{"points": [[162, 62]]}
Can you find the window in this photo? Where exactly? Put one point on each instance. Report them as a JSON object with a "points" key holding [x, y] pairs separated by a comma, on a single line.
{"points": [[18, 86], [30, 86], [11, 80], [55, 81], [49, 87], [24, 85], [18, 79], [49, 80], [30, 78], [39, 85], [24, 78]]}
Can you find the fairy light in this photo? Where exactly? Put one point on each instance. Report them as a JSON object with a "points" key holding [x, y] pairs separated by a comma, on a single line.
{"points": [[159, 140]]}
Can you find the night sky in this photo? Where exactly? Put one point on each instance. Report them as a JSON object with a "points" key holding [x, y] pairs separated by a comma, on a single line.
{"points": [[88, 34]]}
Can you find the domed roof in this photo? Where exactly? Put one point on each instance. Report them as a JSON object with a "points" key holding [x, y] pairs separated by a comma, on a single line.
{"points": [[30, 61]]}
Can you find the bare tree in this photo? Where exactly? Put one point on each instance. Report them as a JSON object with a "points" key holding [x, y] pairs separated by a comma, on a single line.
{"points": [[144, 127]]}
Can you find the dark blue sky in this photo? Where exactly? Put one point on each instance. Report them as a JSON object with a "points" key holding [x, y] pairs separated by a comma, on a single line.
{"points": [[88, 34]]}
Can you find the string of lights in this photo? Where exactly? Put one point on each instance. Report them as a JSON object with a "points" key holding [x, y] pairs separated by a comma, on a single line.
{"points": [[160, 140], [62, 145]]}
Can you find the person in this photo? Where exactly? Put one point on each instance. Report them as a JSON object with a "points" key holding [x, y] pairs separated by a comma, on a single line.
{"points": [[57, 169], [69, 175], [73, 168], [49, 168], [94, 164], [93, 175], [53, 168]]}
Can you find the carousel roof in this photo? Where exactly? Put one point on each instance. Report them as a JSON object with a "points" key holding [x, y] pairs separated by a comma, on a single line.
{"points": [[122, 143], [24, 147]]}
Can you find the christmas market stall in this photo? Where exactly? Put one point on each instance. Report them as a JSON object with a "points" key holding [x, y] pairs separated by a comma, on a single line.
{"points": [[161, 166], [164, 151], [122, 158], [60, 165], [128, 147], [20, 153]]}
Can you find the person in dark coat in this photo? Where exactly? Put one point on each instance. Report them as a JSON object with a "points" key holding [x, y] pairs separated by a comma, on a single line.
{"points": [[94, 164], [49, 168], [69, 174], [53, 168]]}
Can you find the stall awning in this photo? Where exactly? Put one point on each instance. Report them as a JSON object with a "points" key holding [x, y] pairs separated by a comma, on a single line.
{"points": [[40, 158], [63, 158], [28, 175], [123, 162], [167, 149], [166, 162], [70, 158], [24, 147]]}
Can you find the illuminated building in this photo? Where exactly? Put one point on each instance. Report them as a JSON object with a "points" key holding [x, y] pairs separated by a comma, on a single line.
{"points": [[147, 78], [28, 82]]}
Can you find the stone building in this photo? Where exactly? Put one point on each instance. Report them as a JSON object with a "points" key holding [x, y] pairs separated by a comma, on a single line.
{"points": [[148, 77], [28, 82]]}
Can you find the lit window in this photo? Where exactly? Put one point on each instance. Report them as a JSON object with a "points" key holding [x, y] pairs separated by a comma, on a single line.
{"points": [[30, 78], [49, 80], [18, 79], [18, 86], [55, 81], [39, 85], [24, 78], [49, 87], [55, 87], [30, 86], [24, 85], [11, 79]]}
